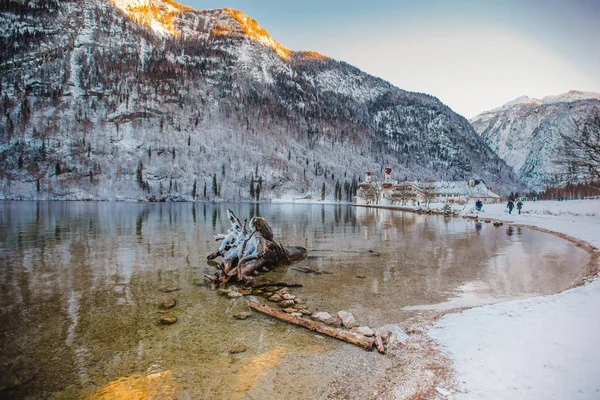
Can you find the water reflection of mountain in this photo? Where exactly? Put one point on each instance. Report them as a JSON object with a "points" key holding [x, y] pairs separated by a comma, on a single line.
{"points": [[79, 283]]}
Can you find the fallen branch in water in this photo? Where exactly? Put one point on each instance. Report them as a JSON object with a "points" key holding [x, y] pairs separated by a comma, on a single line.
{"points": [[349, 337]]}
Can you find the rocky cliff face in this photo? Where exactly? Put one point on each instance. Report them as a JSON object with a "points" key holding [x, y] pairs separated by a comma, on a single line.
{"points": [[142, 99], [528, 133]]}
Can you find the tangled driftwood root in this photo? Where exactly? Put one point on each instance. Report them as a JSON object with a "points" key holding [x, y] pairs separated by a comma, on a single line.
{"points": [[247, 249]]}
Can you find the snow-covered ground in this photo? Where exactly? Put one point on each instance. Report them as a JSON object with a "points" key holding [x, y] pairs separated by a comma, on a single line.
{"points": [[540, 348]]}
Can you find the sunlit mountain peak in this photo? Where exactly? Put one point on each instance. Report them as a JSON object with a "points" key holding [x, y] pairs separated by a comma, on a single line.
{"points": [[165, 18], [159, 15], [253, 30]]}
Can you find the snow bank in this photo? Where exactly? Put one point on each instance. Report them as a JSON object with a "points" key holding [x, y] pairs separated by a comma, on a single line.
{"points": [[540, 348]]}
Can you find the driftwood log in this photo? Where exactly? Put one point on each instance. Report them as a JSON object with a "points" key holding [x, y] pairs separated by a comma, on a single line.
{"points": [[246, 249], [350, 337]]}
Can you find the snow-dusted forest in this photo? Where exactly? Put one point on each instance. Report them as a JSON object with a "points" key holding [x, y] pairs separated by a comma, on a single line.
{"points": [[100, 100]]}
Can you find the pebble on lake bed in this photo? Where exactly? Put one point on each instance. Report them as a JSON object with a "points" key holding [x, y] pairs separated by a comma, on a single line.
{"points": [[277, 298], [169, 289], [234, 295], [242, 315], [168, 319], [238, 348], [170, 303]]}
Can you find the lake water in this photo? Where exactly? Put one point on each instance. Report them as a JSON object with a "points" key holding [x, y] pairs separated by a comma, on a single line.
{"points": [[80, 288]]}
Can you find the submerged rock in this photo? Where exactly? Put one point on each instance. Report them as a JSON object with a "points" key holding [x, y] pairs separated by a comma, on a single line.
{"points": [[287, 296], [242, 315], [234, 295], [168, 319], [276, 298], [170, 303], [170, 289], [238, 348], [347, 319], [245, 292]]}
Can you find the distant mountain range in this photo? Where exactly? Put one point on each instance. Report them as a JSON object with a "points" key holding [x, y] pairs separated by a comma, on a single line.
{"points": [[527, 133], [149, 99]]}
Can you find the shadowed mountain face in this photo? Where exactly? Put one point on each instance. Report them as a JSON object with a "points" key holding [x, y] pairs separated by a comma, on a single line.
{"points": [[529, 133], [141, 99]]}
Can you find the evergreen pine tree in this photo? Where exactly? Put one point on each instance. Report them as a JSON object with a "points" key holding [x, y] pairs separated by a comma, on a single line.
{"points": [[204, 193], [194, 191], [215, 188], [323, 192], [252, 194]]}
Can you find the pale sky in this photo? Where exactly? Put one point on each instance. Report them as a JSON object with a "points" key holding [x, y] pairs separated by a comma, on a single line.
{"points": [[474, 55]]}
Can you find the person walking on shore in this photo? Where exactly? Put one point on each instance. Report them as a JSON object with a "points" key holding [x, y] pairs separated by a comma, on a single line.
{"points": [[519, 205], [510, 205]]}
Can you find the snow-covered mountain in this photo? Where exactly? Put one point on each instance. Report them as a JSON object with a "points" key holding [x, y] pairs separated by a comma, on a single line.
{"points": [[527, 133], [141, 99]]}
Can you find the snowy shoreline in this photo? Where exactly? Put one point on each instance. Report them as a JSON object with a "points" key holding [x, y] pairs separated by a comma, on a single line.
{"points": [[539, 348]]}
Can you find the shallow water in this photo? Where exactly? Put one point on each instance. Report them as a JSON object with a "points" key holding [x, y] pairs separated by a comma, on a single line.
{"points": [[79, 294]]}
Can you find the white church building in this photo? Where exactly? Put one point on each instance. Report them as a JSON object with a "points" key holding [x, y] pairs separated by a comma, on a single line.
{"points": [[415, 193]]}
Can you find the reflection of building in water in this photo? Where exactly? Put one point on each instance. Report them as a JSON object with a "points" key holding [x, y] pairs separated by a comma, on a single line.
{"points": [[415, 193]]}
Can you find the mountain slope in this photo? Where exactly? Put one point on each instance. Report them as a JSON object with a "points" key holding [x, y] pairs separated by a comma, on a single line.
{"points": [[139, 99], [528, 133]]}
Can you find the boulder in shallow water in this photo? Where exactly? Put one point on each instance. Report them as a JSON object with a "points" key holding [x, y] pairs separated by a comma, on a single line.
{"points": [[322, 316], [394, 335], [347, 319], [364, 330]]}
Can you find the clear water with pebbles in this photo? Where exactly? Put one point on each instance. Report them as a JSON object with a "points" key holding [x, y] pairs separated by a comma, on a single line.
{"points": [[80, 295]]}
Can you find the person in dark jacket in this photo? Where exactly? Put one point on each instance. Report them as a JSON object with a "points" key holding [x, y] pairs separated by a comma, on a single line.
{"points": [[478, 205], [510, 205], [519, 205]]}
